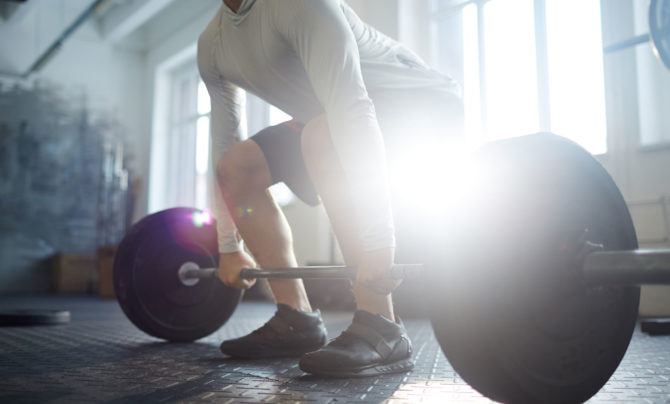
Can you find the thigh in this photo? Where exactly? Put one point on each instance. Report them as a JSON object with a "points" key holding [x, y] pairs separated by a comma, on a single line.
{"points": [[243, 168], [420, 131]]}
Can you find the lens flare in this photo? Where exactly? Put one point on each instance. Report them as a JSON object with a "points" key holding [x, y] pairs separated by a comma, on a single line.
{"points": [[244, 211], [201, 218], [428, 177]]}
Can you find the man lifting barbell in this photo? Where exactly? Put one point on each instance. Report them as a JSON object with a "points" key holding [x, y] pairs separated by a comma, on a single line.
{"points": [[355, 96], [534, 271]]}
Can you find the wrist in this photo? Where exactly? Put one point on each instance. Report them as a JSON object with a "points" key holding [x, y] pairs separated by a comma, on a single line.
{"points": [[231, 255]]}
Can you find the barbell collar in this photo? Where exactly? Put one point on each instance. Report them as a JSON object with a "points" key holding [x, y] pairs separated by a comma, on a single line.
{"points": [[634, 267], [200, 273]]}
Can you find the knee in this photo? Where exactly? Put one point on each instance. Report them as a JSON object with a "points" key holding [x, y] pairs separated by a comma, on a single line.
{"points": [[242, 171], [317, 147]]}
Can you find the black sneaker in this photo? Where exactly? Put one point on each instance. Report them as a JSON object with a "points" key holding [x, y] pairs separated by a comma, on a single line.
{"points": [[371, 346], [289, 333]]}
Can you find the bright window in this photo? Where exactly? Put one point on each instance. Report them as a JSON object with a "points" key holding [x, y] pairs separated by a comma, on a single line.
{"points": [[277, 116], [280, 192], [471, 78], [511, 71], [576, 82], [527, 66], [188, 167]]}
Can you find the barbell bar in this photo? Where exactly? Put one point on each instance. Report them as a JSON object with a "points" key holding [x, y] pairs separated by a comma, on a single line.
{"points": [[636, 267], [398, 272], [633, 267]]}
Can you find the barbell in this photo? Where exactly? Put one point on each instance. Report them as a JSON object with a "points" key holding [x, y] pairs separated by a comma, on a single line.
{"points": [[189, 273], [532, 274]]}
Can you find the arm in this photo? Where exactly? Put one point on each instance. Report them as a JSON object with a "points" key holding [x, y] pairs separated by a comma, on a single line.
{"points": [[225, 132], [321, 37], [226, 114]]}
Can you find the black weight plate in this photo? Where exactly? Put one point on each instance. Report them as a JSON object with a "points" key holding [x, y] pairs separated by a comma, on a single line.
{"points": [[659, 29], [147, 284], [514, 316], [26, 317]]}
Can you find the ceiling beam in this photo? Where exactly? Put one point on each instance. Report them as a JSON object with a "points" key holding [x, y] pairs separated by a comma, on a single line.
{"points": [[122, 20], [15, 12]]}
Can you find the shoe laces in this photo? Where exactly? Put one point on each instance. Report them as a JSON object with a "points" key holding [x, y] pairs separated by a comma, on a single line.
{"points": [[343, 339]]}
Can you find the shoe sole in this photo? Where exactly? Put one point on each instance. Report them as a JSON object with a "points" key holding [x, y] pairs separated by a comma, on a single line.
{"points": [[401, 366], [266, 355]]}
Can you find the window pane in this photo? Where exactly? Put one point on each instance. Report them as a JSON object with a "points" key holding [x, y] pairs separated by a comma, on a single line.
{"points": [[201, 161], [471, 89], [576, 80], [282, 194], [280, 191], [184, 98], [204, 105], [511, 74], [182, 181], [278, 116], [201, 192], [202, 145]]}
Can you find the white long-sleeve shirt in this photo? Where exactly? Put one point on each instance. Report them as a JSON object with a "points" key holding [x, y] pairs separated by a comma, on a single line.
{"points": [[311, 57]]}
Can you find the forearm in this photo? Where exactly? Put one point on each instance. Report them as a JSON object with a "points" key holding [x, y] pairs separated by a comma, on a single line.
{"points": [[227, 236]]}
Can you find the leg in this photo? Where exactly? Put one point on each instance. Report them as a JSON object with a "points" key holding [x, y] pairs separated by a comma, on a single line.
{"points": [[328, 177], [244, 178], [374, 343]]}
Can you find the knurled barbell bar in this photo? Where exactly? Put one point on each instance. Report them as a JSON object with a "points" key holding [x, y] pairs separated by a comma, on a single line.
{"points": [[531, 274]]}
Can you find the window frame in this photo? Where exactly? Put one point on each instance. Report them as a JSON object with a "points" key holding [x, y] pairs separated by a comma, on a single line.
{"points": [[181, 130]]}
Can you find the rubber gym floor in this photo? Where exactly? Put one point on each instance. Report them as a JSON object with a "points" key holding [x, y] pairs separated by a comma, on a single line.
{"points": [[101, 357]]}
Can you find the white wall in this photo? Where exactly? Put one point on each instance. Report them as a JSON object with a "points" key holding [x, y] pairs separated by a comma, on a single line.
{"points": [[88, 70]]}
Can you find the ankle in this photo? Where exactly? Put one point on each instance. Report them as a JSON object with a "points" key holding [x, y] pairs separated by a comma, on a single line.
{"points": [[291, 292], [384, 310], [303, 307], [375, 304]]}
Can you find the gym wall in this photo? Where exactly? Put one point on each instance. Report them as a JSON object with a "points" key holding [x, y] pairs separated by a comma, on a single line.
{"points": [[88, 76], [637, 88]]}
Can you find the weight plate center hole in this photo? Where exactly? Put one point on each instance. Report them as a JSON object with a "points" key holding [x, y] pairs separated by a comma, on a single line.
{"points": [[182, 273]]}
